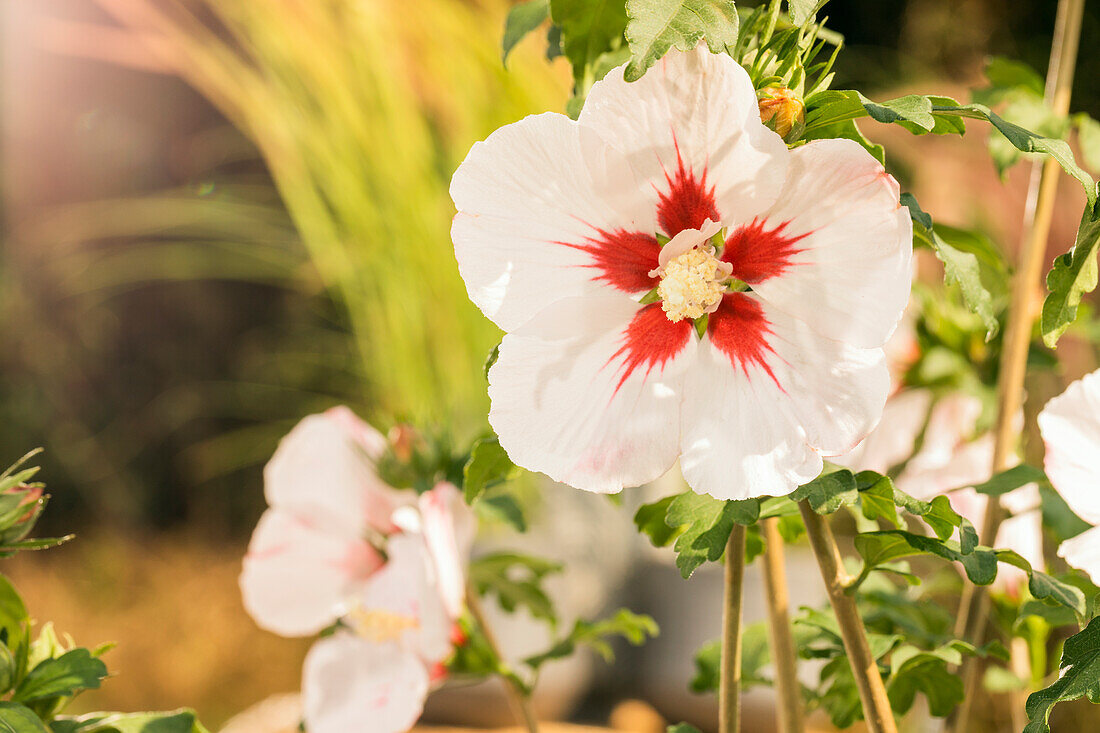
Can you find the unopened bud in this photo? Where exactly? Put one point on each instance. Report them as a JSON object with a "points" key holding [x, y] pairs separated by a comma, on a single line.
{"points": [[782, 110], [403, 438]]}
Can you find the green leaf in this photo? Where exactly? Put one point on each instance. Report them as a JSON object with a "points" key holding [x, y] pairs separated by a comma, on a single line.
{"points": [[877, 548], [71, 672], [650, 520], [1088, 137], [1009, 73], [913, 670], [803, 10], [1010, 480], [15, 718], [877, 500], [959, 268], [522, 19], [516, 581], [488, 466], [705, 524], [1073, 275], [634, 628], [829, 492], [1079, 676], [14, 619], [1045, 587], [682, 728], [174, 721], [589, 28], [755, 655], [655, 26], [502, 508]]}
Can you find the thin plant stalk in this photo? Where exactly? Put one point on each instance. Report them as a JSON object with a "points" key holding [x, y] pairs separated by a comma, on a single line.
{"points": [[872, 691], [729, 685], [789, 712], [1038, 213], [519, 699]]}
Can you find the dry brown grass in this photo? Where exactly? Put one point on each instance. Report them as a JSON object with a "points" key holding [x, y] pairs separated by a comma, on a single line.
{"points": [[174, 608]]}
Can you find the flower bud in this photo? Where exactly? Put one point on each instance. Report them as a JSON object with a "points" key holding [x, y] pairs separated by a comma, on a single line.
{"points": [[782, 110], [403, 438]]}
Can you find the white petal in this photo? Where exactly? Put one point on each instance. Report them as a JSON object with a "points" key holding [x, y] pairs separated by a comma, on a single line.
{"points": [[738, 440], [930, 474], [449, 527], [837, 391], [406, 586], [349, 684], [895, 437], [527, 198], [296, 576], [851, 272], [322, 472], [570, 399], [700, 109], [769, 397], [1083, 552], [1070, 425]]}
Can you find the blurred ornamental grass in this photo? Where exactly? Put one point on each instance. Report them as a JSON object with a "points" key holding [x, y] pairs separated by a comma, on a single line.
{"points": [[361, 109]]}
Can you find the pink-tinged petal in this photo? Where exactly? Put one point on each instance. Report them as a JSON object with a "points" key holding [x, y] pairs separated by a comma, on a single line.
{"points": [[323, 473], [928, 475], [691, 128], [1024, 534], [449, 528], [1070, 425], [843, 259], [406, 588], [296, 576], [1083, 552], [350, 684], [588, 392], [740, 437], [895, 438], [547, 210]]}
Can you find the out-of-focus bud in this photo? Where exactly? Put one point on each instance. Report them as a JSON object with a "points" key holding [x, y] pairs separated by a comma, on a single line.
{"points": [[782, 110], [403, 438]]}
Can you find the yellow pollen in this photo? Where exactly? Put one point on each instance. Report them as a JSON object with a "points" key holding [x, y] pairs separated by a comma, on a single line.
{"points": [[692, 284], [381, 626]]}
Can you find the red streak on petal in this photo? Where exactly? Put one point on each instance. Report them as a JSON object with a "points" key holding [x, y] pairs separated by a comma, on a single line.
{"points": [[437, 673], [688, 202], [740, 331], [650, 340], [758, 253], [623, 258], [458, 636]]}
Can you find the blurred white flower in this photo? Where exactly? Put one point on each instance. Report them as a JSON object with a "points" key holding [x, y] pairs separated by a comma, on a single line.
{"points": [[1070, 425], [622, 356], [339, 544], [951, 455]]}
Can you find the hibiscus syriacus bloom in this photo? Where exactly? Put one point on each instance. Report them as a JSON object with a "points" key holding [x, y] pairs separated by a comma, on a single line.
{"points": [[675, 283], [339, 544], [951, 455], [1070, 424]]}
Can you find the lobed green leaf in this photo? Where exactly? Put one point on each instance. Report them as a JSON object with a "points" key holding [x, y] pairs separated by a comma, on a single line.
{"points": [[655, 26]]}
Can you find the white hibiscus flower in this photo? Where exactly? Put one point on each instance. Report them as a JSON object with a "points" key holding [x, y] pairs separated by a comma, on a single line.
{"points": [[339, 544], [793, 265]]}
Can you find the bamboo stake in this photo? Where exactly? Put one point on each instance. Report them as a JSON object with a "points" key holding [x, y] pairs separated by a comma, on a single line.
{"points": [[872, 691], [518, 698], [779, 630], [1038, 213], [729, 684]]}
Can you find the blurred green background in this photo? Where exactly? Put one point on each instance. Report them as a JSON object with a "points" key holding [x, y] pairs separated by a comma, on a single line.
{"points": [[220, 216]]}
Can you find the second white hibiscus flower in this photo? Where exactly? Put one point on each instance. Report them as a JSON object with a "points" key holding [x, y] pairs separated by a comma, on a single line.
{"points": [[748, 346]]}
